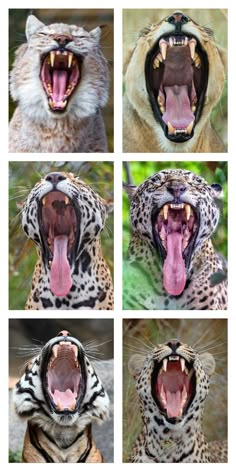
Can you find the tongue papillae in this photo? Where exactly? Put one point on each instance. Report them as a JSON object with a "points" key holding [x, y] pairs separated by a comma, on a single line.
{"points": [[59, 81], [174, 273], [60, 276]]}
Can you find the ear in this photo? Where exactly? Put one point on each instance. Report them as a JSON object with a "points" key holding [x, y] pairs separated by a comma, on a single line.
{"points": [[129, 189], [96, 34], [109, 204], [32, 25], [223, 56], [135, 364], [217, 190], [208, 363]]}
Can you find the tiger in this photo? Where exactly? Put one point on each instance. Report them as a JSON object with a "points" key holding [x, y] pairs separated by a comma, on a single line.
{"points": [[61, 395]]}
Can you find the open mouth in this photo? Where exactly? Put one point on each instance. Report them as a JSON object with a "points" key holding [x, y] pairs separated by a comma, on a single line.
{"points": [[59, 229], [64, 378], [176, 72], [173, 386], [175, 228], [60, 76]]}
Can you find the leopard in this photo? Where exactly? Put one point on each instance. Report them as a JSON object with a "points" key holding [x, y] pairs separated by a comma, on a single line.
{"points": [[64, 217], [171, 261], [61, 396], [171, 88], [60, 82], [172, 383]]}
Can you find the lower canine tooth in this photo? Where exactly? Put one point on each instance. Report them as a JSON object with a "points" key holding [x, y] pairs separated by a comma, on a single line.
{"points": [[189, 127], [171, 129]]}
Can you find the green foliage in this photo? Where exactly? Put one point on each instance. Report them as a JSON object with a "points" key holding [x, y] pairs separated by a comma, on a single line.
{"points": [[212, 172], [15, 456], [22, 254]]}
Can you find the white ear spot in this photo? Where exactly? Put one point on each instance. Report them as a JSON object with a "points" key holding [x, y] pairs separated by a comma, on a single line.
{"points": [[32, 25], [135, 364], [96, 34], [208, 363]]}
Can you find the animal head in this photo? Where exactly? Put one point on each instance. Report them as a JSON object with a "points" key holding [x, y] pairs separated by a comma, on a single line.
{"points": [[175, 212], [60, 386], [63, 215], [172, 383], [59, 71], [171, 75]]}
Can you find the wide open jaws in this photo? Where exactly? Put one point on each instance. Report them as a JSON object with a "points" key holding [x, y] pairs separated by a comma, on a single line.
{"points": [[175, 229], [60, 76], [63, 377], [176, 79], [59, 233], [173, 386]]}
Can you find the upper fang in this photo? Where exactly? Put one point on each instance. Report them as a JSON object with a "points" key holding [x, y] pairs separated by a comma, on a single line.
{"points": [[165, 361], [182, 362], [52, 58]]}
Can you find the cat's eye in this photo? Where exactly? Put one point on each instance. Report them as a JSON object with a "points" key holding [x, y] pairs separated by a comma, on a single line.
{"points": [[42, 33]]}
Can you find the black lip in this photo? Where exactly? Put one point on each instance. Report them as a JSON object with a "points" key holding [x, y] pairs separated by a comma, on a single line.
{"points": [[46, 252], [46, 354], [187, 254], [200, 95], [157, 367]]}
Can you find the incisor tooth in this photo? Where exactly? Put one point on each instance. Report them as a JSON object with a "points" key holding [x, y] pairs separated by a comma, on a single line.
{"points": [[182, 362], [165, 361], [188, 213], [52, 58], [165, 213]]}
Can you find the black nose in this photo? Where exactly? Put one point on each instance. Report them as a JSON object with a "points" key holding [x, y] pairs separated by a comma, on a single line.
{"points": [[178, 19], [176, 189], [55, 177], [173, 344]]}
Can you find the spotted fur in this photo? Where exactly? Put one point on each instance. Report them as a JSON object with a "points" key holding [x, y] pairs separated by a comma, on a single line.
{"points": [[179, 439], [206, 286], [53, 435], [91, 280], [80, 128]]}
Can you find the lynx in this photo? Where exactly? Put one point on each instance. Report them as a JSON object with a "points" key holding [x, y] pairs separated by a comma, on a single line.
{"points": [[60, 82]]}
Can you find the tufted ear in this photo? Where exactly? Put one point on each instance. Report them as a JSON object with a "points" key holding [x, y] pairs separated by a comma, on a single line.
{"points": [[135, 364], [217, 190], [208, 363], [32, 25], [129, 189], [96, 34]]}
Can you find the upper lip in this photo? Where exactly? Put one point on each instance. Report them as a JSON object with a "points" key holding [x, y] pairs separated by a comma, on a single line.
{"points": [[155, 63], [64, 208]]}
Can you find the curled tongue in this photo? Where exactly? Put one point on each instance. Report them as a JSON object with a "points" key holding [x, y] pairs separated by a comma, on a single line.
{"points": [[174, 274], [60, 276], [173, 404]]}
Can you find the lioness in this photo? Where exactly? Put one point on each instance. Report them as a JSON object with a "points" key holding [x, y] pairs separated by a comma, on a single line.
{"points": [[173, 78]]}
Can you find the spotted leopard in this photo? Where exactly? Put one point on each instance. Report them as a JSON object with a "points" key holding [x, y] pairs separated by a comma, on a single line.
{"points": [[64, 217], [172, 383], [171, 259]]}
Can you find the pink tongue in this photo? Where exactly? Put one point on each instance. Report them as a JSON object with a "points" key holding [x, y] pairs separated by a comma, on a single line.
{"points": [[174, 274], [178, 111], [59, 85], [66, 398], [173, 403], [60, 278]]}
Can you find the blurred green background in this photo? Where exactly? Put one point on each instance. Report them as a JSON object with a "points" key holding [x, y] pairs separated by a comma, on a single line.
{"points": [[136, 19], [88, 19], [212, 172], [22, 252], [140, 335]]}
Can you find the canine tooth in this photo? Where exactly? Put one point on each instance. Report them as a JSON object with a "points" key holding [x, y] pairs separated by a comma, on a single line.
{"points": [[59, 405], [189, 127], [156, 63], [54, 350], [163, 48], [193, 108], [70, 57], [182, 362], [197, 61], [44, 201], [52, 58], [50, 263], [162, 109], [171, 129], [192, 44], [67, 201], [165, 361], [73, 404], [187, 212], [165, 212]]}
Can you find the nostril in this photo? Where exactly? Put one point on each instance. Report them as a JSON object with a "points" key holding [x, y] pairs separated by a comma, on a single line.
{"points": [[174, 344], [64, 333], [178, 17]]}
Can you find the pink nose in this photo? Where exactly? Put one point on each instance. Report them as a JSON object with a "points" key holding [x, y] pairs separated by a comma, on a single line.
{"points": [[64, 333]]}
